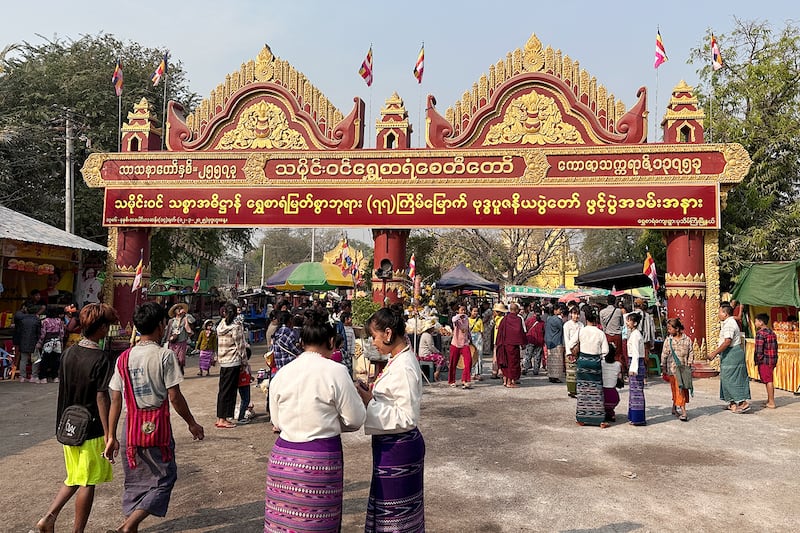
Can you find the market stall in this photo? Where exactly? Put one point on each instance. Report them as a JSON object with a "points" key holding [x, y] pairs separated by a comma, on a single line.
{"points": [[36, 255], [772, 288]]}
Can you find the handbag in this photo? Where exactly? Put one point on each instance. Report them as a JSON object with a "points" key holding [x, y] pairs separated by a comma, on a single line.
{"points": [[620, 382], [684, 372], [74, 425]]}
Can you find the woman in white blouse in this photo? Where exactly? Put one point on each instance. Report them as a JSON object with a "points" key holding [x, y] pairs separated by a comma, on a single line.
{"points": [[572, 328], [637, 370], [398, 449], [312, 400], [590, 410]]}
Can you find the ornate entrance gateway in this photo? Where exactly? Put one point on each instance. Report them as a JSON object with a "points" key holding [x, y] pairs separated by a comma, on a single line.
{"points": [[536, 142]]}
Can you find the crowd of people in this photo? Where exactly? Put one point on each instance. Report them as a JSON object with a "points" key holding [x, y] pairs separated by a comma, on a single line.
{"points": [[593, 350], [314, 394]]}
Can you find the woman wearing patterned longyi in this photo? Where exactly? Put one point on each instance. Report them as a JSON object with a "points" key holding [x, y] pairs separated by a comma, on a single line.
{"points": [[312, 400], [396, 501]]}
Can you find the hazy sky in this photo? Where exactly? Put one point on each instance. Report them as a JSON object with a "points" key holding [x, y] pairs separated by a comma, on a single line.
{"points": [[327, 41]]}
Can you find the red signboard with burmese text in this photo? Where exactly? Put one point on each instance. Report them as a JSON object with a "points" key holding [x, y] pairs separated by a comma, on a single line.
{"points": [[587, 206]]}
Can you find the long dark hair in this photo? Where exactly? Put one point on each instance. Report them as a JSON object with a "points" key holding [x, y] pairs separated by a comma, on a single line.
{"points": [[230, 312]]}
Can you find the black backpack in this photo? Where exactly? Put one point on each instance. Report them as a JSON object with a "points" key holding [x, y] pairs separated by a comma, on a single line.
{"points": [[74, 425]]}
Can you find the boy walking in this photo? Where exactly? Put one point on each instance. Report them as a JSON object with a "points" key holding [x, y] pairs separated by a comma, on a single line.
{"points": [[150, 377], [766, 356]]}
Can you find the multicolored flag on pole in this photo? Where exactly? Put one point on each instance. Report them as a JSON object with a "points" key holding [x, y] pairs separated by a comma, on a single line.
{"points": [[716, 56], [137, 279], [161, 70], [366, 68], [661, 52], [649, 270], [347, 261], [196, 286], [117, 79], [412, 267], [419, 68]]}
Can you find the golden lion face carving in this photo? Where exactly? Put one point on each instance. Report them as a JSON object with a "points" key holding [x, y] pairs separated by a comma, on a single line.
{"points": [[533, 118]]}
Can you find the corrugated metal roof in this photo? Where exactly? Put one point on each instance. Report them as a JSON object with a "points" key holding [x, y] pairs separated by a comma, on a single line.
{"points": [[19, 227]]}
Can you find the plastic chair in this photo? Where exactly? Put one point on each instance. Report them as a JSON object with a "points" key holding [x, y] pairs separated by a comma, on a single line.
{"points": [[656, 366]]}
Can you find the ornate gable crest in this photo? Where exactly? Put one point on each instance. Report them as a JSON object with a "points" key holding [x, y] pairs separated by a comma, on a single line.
{"points": [[267, 104], [536, 96]]}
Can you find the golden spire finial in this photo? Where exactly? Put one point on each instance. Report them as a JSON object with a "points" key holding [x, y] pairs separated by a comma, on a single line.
{"points": [[533, 58], [265, 67]]}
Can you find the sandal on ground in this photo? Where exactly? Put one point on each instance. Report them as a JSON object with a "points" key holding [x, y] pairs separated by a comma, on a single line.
{"points": [[743, 409], [674, 410], [512, 386], [452, 385], [604, 425], [226, 425], [684, 417], [466, 386]]}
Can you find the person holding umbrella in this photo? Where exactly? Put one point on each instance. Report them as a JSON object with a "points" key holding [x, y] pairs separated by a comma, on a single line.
{"points": [[178, 332]]}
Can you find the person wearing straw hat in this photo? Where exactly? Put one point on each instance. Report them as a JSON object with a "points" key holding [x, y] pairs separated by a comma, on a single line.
{"points": [[426, 351], [178, 332]]}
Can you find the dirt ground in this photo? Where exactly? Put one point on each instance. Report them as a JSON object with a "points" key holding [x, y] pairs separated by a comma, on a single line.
{"points": [[498, 460]]}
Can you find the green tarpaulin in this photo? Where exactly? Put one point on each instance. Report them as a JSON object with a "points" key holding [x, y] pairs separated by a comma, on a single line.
{"points": [[771, 284]]}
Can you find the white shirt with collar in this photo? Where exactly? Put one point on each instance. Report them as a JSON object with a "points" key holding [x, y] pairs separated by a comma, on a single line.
{"points": [[312, 398], [396, 396]]}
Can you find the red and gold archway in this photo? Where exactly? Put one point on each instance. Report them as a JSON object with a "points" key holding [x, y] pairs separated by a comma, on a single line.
{"points": [[535, 143]]}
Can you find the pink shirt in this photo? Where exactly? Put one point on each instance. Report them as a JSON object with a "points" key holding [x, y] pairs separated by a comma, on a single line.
{"points": [[460, 331]]}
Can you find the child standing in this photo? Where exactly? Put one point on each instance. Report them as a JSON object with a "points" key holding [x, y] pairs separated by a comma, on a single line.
{"points": [[612, 371], [245, 379], [766, 356], [207, 344]]}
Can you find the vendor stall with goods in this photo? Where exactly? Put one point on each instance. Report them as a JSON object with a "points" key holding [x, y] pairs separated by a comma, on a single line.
{"points": [[772, 288]]}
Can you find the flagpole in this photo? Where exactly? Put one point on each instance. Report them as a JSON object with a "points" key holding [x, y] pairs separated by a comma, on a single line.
{"points": [[419, 108], [164, 110], [711, 109], [119, 122], [655, 122]]}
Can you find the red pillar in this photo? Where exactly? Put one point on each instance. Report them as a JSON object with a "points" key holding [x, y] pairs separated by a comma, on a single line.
{"points": [[131, 244], [686, 285], [389, 244]]}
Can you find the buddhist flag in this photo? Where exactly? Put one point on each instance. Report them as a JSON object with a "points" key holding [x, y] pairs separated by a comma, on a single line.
{"points": [[661, 53], [161, 71], [116, 79], [366, 68], [347, 261], [412, 267], [419, 68], [137, 280], [716, 56], [196, 286], [649, 270]]}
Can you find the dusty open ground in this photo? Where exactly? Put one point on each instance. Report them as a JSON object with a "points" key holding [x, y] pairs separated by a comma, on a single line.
{"points": [[497, 460]]}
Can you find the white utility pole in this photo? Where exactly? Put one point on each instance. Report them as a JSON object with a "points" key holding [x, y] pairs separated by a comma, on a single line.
{"points": [[69, 189]]}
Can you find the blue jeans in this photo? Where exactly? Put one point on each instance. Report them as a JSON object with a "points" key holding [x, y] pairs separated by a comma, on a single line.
{"points": [[244, 395]]}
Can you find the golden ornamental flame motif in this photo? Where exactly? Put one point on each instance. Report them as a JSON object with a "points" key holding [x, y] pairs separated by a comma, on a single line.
{"points": [[533, 118], [262, 125]]}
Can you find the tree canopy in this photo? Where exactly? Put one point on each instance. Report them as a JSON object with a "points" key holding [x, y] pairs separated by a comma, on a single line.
{"points": [[39, 85], [755, 100]]}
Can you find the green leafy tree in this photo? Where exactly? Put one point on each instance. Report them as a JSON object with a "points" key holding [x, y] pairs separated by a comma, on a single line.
{"points": [[755, 100], [39, 85]]}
